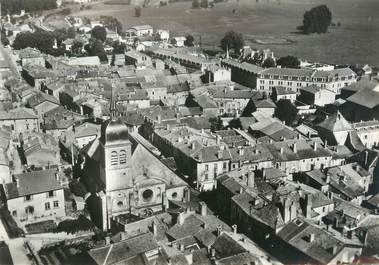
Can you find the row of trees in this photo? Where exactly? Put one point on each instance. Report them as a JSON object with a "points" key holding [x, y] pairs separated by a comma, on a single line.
{"points": [[15, 6]]}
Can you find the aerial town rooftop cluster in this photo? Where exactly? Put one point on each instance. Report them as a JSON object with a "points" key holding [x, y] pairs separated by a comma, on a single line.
{"points": [[166, 155]]}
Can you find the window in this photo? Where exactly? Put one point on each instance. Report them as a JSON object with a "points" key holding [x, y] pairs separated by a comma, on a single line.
{"points": [[206, 167], [50, 194], [47, 206], [28, 197], [14, 213], [122, 157], [224, 165], [114, 158], [206, 176], [56, 204], [147, 195], [215, 167], [29, 210]]}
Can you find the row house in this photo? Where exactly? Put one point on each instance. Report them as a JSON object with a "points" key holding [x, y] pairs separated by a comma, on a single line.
{"points": [[35, 196], [19, 120], [299, 155], [295, 79], [368, 132]]}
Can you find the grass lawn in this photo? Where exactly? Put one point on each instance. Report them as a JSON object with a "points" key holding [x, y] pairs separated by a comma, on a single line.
{"points": [[267, 24]]}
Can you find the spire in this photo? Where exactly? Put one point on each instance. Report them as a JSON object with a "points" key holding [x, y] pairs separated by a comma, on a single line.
{"points": [[112, 103]]}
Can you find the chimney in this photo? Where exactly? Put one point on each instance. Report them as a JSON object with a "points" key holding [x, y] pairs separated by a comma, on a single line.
{"points": [[315, 146], [155, 229], [294, 148], [326, 143], [327, 179], [219, 154], [189, 258], [241, 151], [263, 173], [203, 208], [312, 237], [17, 182], [213, 253], [366, 158], [181, 247], [187, 194], [165, 201], [159, 119], [250, 179], [281, 150], [219, 230], [308, 205], [56, 176], [218, 139], [241, 190], [180, 219], [234, 228], [107, 240], [122, 236], [193, 146]]}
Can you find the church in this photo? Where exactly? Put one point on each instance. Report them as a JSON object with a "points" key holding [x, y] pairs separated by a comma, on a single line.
{"points": [[125, 178]]}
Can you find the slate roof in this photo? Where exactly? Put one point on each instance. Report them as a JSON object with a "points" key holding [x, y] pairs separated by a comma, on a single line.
{"points": [[336, 123], [124, 251], [296, 232], [368, 97], [32, 183], [39, 98]]}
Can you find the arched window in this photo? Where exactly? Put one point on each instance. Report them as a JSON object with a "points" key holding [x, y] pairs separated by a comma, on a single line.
{"points": [[114, 158], [122, 157]]}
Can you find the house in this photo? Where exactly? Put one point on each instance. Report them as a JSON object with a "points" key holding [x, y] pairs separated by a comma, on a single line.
{"points": [[140, 31], [86, 133], [264, 105], [139, 60], [31, 56], [242, 73], [279, 93], [218, 74], [230, 101], [368, 132], [314, 95], [42, 103], [295, 79], [363, 105], [19, 120], [163, 34], [35, 196], [178, 41]]}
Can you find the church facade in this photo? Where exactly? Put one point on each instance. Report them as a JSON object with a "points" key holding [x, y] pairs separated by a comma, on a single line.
{"points": [[126, 178]]}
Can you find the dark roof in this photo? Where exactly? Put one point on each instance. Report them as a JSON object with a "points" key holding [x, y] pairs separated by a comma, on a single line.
{"points": [[32, 183], [5, 254], [125, 250]]}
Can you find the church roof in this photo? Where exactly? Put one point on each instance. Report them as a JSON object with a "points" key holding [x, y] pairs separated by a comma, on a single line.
{"points": [[113, 132]]}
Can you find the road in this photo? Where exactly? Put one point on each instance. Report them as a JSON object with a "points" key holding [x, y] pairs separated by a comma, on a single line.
{"points": [[6, 54]]}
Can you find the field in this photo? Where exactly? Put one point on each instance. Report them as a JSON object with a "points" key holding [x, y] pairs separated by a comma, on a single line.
{"points": [[268, 24]]}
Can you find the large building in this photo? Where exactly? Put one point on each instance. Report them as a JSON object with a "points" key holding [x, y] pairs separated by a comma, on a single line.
{"points": [[127, 179], [295, 79]]}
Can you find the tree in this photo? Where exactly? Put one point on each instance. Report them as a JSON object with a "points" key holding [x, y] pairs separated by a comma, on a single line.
{"points": [[216, 124], [288, 62], [317, 20], [99, 33], [286, 111], [232, 40], [4, 39], [76, 47], [269, 62], [189, 41], [118, 47], [111, 23], [95, 48], [235, 123], [137, 11], [76, 225]]}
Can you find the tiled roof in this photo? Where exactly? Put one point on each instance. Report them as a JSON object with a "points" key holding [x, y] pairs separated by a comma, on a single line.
{"points": [[32, 183], [368, 97]]}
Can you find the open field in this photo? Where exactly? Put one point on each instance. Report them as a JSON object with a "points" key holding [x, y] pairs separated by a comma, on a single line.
{"points": [[268, 24]]}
